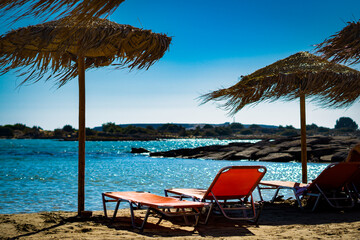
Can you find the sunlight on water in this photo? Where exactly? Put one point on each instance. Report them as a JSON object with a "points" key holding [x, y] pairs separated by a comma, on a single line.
{"points": [[41, 175]]}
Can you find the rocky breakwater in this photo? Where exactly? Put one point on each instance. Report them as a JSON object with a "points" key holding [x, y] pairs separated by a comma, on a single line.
{"points": [[319, 149]]}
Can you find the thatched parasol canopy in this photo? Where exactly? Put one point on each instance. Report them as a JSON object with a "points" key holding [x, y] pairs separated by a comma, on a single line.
{"points": [[83, 10], [343, 46], [48, 48], [333, 85], [64, 49], [302, 74]]}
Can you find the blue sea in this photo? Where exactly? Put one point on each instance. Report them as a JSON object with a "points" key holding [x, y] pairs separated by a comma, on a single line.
{"points": [[41, 175]]}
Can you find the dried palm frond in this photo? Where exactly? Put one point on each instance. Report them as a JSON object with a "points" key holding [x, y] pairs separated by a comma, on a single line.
{"points": [[343, 46], [83, 10], [48, 49], [328, 84]]}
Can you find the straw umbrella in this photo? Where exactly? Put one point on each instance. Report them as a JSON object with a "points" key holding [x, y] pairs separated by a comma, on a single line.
{"points": [[343, 46], [46, 49], [83, 10], [298, 76]]}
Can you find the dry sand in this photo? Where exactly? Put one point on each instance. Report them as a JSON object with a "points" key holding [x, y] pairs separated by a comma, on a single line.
{"points": [[277, 221]]}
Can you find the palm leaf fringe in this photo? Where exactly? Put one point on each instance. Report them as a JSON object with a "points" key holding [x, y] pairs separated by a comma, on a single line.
{"points": [[49, 50], [344, 46], [327, 84], [83, 10]]}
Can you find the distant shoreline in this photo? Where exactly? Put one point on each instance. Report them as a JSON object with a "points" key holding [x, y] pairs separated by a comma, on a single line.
{"points": [[230, 131]]}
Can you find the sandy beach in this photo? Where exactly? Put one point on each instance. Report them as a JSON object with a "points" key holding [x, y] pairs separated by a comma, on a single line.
{"points": [[278, 221]]}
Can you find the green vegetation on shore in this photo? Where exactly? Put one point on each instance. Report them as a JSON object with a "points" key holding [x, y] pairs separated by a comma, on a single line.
{"points": [[111, 131]]}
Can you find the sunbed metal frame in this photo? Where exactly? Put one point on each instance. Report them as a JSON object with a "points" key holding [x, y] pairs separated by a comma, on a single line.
{"points": [[333, 201], [162, 209], [314, 189], [241, 205]]}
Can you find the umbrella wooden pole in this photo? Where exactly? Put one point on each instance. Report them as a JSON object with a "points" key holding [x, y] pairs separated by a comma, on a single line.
{"points": [[303, 138], [81, 135]]}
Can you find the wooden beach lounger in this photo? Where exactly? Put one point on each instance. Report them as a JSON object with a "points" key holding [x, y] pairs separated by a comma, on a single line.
{"points": [[332, 184], [153, 203], [229, 193]]}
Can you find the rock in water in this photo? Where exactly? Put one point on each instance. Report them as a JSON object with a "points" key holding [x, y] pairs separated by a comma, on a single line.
{"points": [[139, 150]]}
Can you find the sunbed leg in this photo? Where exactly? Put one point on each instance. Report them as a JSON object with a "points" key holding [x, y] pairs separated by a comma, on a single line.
{"points": [[145, 219], [353, 201], [316, 202], [208, 214], [298, 199], [141, 228], [197, 217], [256, 220], [132, 215], [186, 220], [356, 192], [104, 205], [276, 193], [105, 209], [261, 198], [116, 209], [253, 207]]}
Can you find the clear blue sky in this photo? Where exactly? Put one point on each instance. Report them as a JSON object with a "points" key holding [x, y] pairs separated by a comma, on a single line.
{"points": [[214, 42]]}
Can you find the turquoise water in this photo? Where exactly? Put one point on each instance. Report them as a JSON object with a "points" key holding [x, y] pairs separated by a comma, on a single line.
{"points": [[41, 175]]}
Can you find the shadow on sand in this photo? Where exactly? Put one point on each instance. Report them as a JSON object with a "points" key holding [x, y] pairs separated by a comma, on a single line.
{"points": [[279, 214]]}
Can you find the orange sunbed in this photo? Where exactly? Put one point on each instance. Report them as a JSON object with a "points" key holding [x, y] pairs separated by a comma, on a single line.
{"points": [[331, 184], [229, 192], [153, 203]]}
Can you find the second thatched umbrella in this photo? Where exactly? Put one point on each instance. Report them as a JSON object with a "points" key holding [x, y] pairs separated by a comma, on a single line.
{"points": [[46, 49], [343, 46], [298, 76]]}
